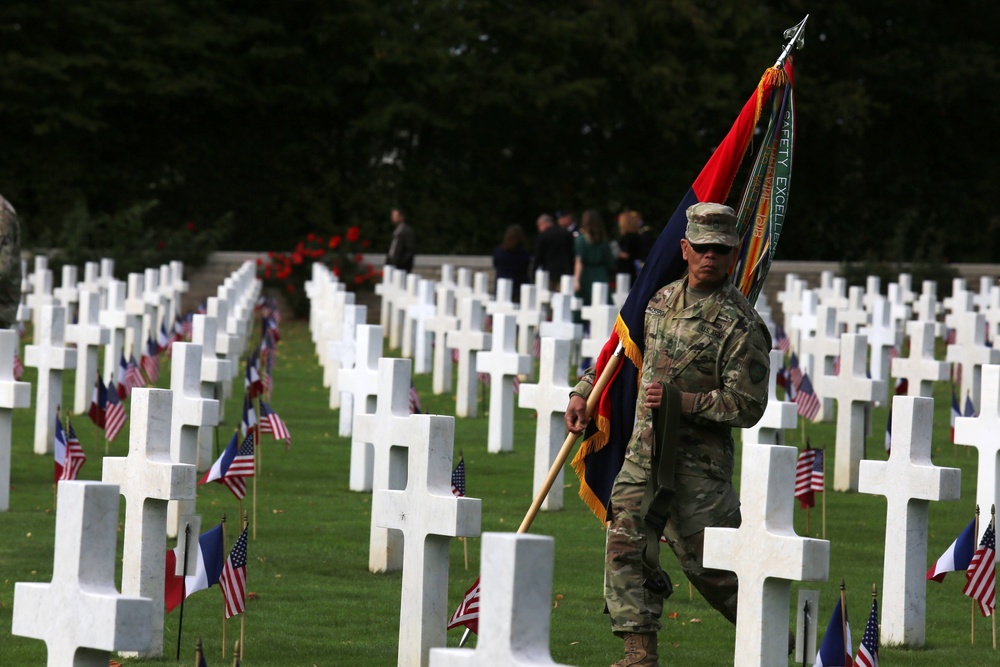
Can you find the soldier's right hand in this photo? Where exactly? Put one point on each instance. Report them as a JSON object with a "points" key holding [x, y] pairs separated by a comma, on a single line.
{"points": [[576, 414]]}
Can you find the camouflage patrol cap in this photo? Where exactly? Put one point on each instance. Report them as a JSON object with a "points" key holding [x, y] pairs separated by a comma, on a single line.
{"points": [[711, 223]]}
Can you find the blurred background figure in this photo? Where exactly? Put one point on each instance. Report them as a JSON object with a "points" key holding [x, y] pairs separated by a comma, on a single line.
{"points": [[511, 259], [594, 259]]}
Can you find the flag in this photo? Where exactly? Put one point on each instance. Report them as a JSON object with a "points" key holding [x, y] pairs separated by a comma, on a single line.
{"points": [[200, 657], [868, 650], [249, 416], [888, 431], [803, 478], [187, 325], [120, 378], [415, 400], [806, 399], [902, 386], [818, 483], [59, 451], [955, 412], [114, 416], [794, 372], [233, 580], [981, 576], [835, 651], [271, 423], [235, 463], [969, 410], [18, 366], [150, 362], [251, 381], [600, 456], [458, 478], [162, 339], [467, 613], [781, 341], [98, 403], [74, 456], [957, 556], [133, 376], [208, 569]]}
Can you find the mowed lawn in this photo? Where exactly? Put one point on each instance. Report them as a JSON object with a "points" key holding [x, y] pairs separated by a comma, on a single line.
{"points": [[313, 601]]}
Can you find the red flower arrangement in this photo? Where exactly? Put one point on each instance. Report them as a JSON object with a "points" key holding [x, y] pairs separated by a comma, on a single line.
{"points": [[341, 253]]}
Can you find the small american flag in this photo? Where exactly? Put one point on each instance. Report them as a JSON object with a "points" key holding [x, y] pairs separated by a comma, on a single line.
{"points": [[467, 613], [794, 372], [75, 458], [868, 651], [114, 416], [458, 478], [133, 376], [233, 580], [271, 423], [241, 466], [414, 400], [18, 366], [98, 403], [781, 339], [806, 399], [803, 478], [818, 483], [150, 362], [981, 575]]}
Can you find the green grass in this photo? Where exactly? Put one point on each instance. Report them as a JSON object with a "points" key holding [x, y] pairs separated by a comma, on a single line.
{"points": [[316, 603]]}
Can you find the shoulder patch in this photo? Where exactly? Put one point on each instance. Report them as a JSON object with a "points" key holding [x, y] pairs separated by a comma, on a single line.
{"points": [[655, 311], [758, 371]]}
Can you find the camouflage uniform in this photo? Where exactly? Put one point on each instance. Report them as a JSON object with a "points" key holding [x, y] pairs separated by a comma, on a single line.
{"points": [[716, 348], [10, 264]]}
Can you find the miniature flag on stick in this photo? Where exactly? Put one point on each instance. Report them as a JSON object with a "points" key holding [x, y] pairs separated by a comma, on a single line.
{"points": [[957, 556], [868, 651], [271, 423], [835, 651], [803, 478], [808, 404], [981, 576], [233, 580], [114, 417], [211, 552], [98, 403], [235, 463], [458, 478], [467, 613]]}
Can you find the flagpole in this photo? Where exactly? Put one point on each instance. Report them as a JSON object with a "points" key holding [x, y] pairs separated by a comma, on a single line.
{"points": [[824, 493], [180, 621], [843, 623], [223, 599], [243, 616], [973, 616], [567, 447], [993, 523], [805, 630], [795, 40], [256, 464], [197, 653]]}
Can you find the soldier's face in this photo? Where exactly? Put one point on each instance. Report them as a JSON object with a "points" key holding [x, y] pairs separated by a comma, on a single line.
{"points": [[708, 269]]}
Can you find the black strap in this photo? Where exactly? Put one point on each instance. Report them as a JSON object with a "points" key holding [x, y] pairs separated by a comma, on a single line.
{"points": [[661, 486]]}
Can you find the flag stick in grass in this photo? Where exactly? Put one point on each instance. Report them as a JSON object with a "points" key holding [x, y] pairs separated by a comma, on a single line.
{"points": [[223, 600]]}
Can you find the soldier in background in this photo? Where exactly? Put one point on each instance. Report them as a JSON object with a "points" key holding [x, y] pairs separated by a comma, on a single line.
{"points": [[10, 264], [704, 338]]}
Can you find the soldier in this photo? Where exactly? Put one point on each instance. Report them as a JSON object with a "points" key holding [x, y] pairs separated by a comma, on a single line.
{"points": [[704, 338], [403, 246], [10, 264]]}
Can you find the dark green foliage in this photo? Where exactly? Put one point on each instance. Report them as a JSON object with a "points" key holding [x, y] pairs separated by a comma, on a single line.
{"points": [[302, 117]]}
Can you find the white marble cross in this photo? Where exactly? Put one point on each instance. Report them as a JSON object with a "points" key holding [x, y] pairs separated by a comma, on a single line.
{"points": [[542, 293], [214, 371], [822, 349], [549, 398], [468, 339], [921, 370], [333, 332], [361, 381], [854, 316], [766, 555], [135, 310], [992, 315], [226, 344], [114, 318], [566, 288], [341, 355], [443, 321], [882, 337], [909, 481], [148, 478], [80, 615], [515, 607], [778, 415], [386, 291], [790, 299], [428, 515], [971, 353], [928, 308], [504, 302], [155, 305], [601, 317], [981, 432], [529, 317], [905, 282], [405, 294], [41, 292], [873, 290], [191, 412], [68, 293], [899, 310], [88, 335], [803, 323], [13, 394], [412, 304], [982, 298], [51, 358], [852, 391], [418, 313], [562, 325], [623, 283], [502, 362], [388, 430]]}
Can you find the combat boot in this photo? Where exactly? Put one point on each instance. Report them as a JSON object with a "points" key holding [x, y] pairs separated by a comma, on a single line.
{"points": [[640, 651]]}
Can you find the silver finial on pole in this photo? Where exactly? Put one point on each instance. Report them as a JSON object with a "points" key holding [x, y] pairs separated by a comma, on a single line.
{"points": [[796, 40]]}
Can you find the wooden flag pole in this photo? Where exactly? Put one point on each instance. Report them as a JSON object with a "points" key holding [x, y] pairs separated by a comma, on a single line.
{"points": [[180, 621], [256, 464], [843, 624], [824, 494], [243, 616], [197, 653], [567, 447], [973, 617], [223, 599], [993, 616]]}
